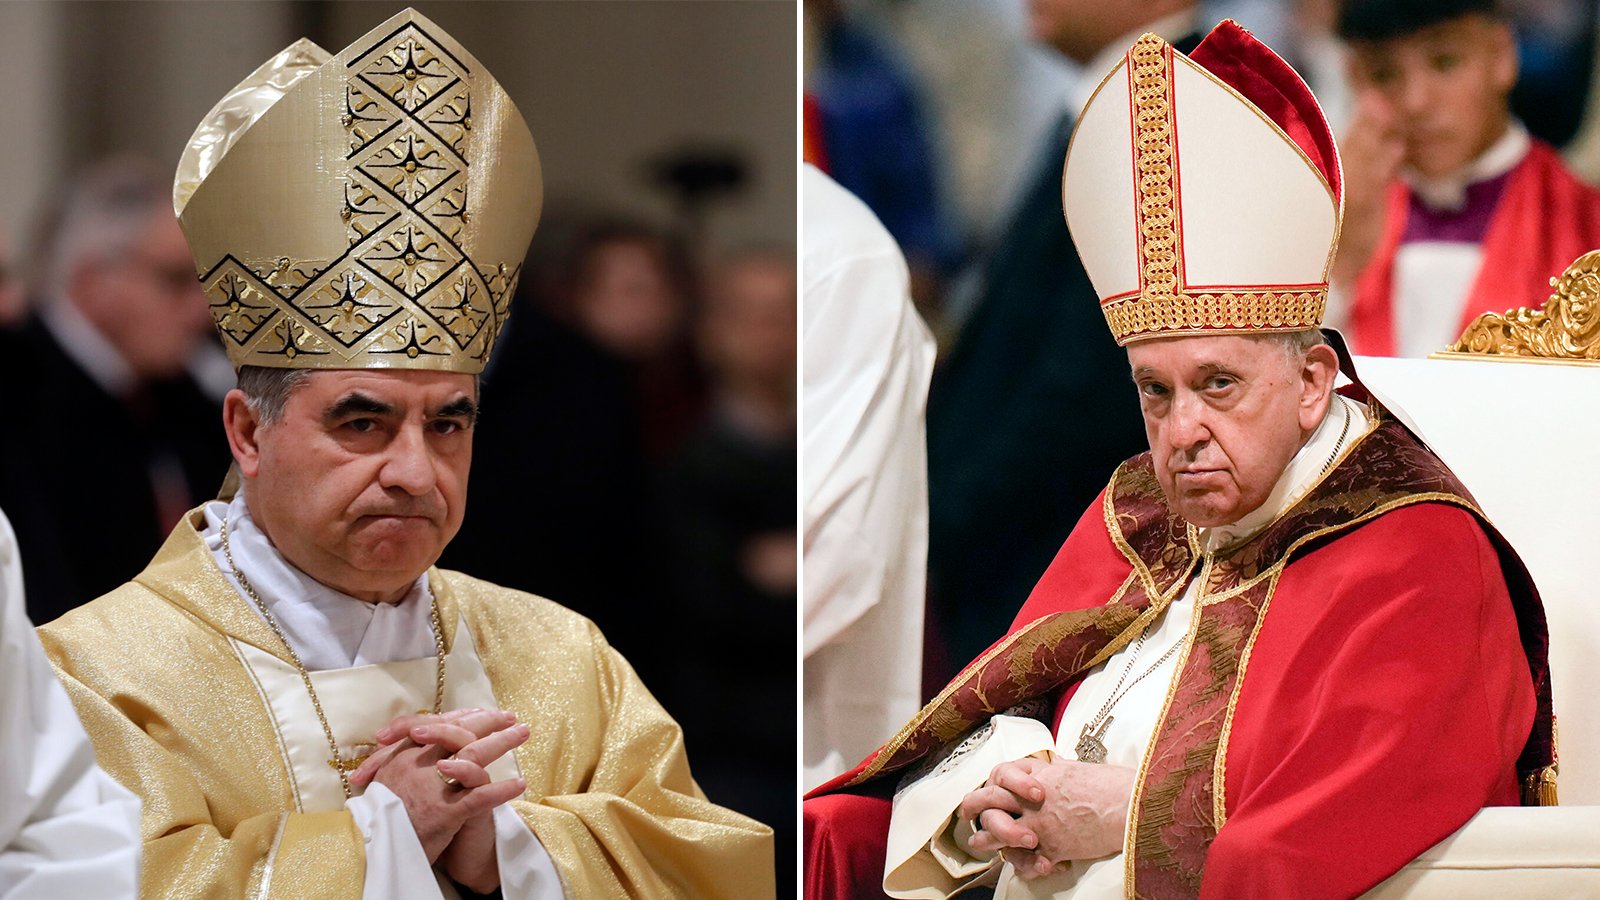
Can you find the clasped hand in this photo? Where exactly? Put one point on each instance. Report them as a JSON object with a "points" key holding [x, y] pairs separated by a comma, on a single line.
{"points": [[1039, 814], [454, 823]]}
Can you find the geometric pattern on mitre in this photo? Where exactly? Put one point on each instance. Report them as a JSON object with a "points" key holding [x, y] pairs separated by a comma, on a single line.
{"points": [[364, 210]]}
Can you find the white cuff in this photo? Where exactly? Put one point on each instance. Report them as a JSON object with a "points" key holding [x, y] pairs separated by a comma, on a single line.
{"points": [[526, 870], [397, 867]]}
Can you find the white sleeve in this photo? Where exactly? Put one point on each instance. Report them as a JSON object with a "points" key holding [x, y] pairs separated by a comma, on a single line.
{"points": [[526, 870], [928, 856], [398, 868], [67, 829]]}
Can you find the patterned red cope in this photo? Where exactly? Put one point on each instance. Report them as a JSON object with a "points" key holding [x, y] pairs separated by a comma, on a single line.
{"points": [[1192, 785]]}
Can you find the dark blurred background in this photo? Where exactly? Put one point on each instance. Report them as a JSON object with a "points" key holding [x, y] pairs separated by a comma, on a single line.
{"points": [[636, 455]]}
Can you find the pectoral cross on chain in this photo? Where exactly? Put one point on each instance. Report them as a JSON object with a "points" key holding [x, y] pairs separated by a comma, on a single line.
{"points": [[1091, 749]]}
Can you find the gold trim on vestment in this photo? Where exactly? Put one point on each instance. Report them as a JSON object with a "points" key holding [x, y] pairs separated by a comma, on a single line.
{"points": [[277, 841], [1219, 799], [1140, 568], [272, 716], [893, 745], [1156, 607], [1219, 812], [1130, 849], [939, 719]]}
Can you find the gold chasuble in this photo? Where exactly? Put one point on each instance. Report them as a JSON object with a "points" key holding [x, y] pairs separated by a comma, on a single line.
{"points": [[178, 682]]}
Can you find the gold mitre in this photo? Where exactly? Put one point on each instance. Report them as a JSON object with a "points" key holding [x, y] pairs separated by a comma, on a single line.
{"points": [[1204, 192], [364, 210]]}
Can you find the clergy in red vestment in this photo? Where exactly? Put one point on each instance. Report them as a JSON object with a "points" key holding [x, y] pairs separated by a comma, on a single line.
{"points": [[1285, 652], [1453, 209]]}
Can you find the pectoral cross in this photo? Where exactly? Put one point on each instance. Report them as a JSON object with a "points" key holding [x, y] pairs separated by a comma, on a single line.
{"points": [[1091, 749]]}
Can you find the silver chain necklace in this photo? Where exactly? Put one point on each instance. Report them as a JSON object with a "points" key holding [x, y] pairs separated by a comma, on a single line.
{"points": [[1091, 747]]}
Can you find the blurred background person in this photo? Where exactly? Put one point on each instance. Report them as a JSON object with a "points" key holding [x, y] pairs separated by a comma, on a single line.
{"points": [[117, 319], [874, 136], [725, 521], [631, 288], [554, 400], [868, 358], [1009, 467], [1453, 208]]}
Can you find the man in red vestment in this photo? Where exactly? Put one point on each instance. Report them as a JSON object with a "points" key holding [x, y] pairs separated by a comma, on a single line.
{"points": [[1453, 209], [1284, 653]]}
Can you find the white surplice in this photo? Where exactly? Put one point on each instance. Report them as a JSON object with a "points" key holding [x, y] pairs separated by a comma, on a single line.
{"points": [[67, 829], [1433, 278], [928, 856], [369, 662], [868, 358]]}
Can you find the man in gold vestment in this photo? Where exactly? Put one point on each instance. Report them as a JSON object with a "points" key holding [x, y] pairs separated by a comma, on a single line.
{"points": [[306, 706]]}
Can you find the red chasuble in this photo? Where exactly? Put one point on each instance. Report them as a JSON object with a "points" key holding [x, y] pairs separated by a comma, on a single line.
{"points": [[1364, 675], [1546, 219]]}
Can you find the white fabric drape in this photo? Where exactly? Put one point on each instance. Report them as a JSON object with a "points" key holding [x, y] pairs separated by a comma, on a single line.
{"points": [[868, 358], [67, 829]]}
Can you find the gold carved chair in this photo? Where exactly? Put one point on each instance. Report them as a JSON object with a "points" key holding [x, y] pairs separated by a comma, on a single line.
{"points": [[1514, 408]]}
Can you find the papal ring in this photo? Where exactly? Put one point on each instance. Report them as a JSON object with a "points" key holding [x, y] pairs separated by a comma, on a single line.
{"points": [[448, 781]]}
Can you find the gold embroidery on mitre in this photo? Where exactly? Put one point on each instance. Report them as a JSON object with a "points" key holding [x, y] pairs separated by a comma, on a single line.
{"points": [[415, 283], [1193, 312], [1160, 247], [1565, 329], [1164, 305]]}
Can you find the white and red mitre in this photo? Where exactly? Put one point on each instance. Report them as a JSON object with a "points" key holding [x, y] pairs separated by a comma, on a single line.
{"points": [[1204, 192]]}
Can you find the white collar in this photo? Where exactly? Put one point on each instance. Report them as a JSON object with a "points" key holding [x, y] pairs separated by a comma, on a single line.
{"points": [[1305, 469], [87, 347], [1449, 192], [1171, 27], [327, 629]]}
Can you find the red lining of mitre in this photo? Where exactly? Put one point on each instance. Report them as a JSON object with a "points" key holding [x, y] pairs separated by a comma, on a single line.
{"points": [[1250, 67]]}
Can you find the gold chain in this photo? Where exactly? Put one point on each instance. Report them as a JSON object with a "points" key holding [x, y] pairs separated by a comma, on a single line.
{"points": [[338, 762]]}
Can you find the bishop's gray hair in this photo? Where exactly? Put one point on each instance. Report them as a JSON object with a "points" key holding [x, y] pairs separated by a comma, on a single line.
{"points": [[1296, 343], [267, 389]]}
